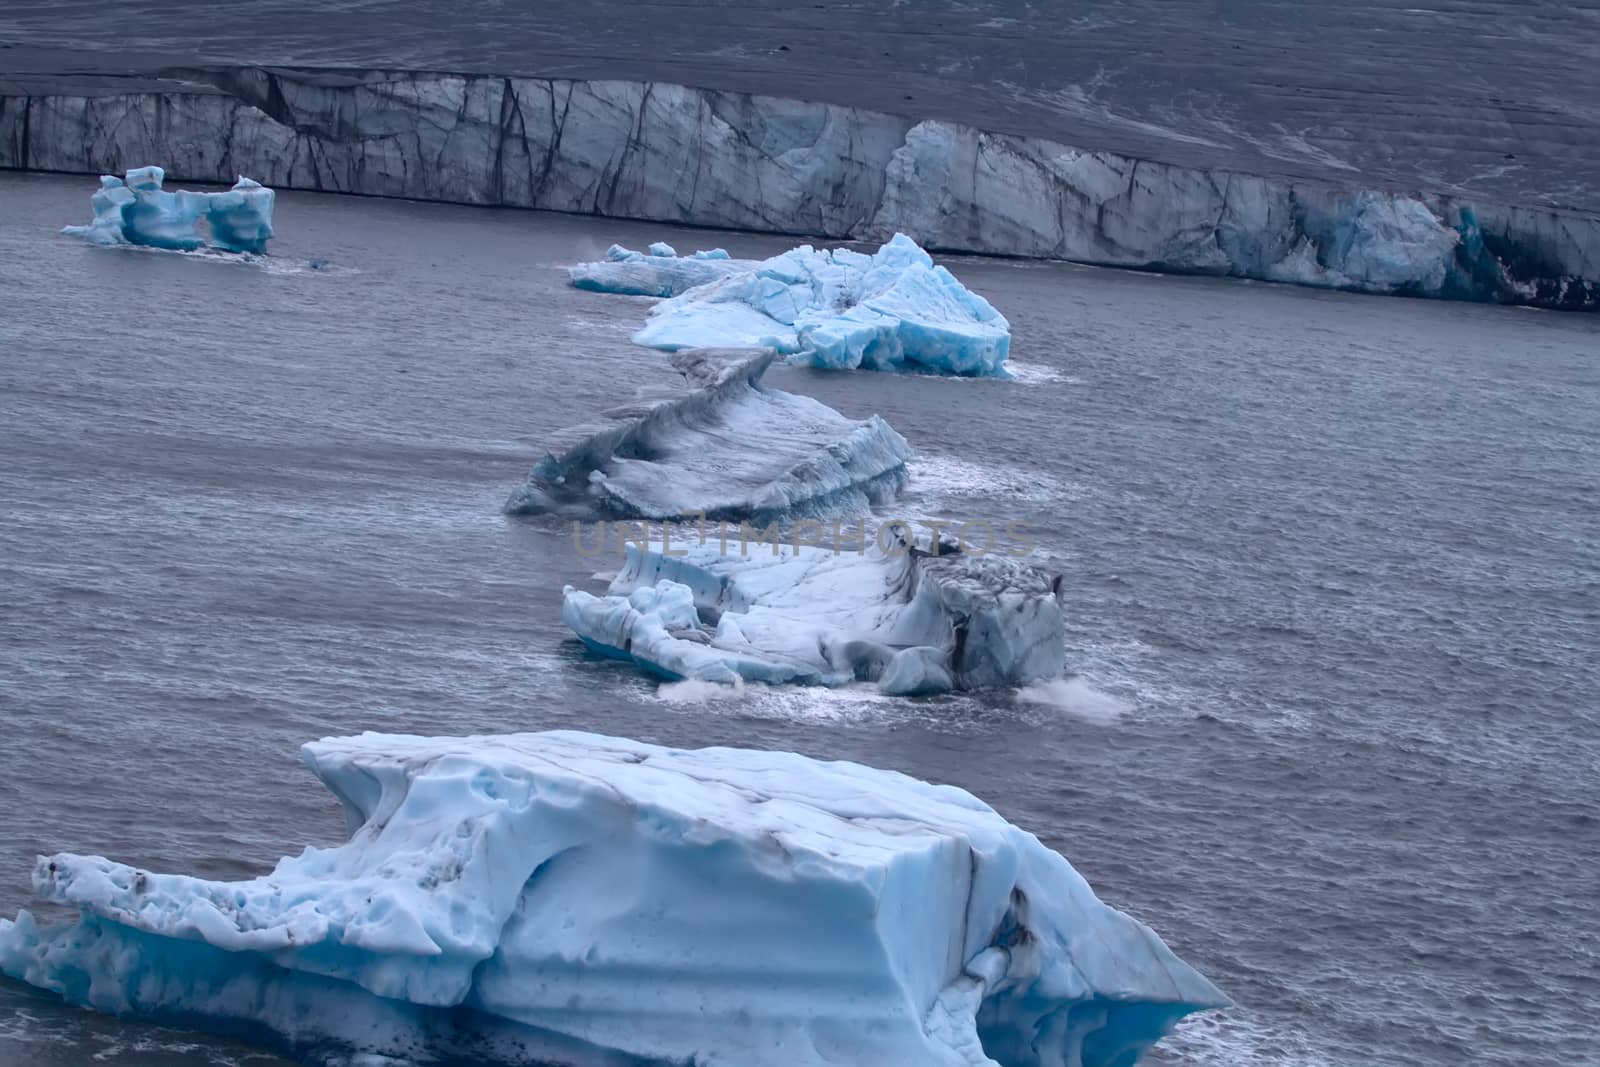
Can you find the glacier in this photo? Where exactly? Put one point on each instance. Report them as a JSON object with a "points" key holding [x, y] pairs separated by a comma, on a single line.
{"points": [[670, 153], [728, 447], [839, 309], [136, 210], [571, 898], [661, 272], [910, 620]]}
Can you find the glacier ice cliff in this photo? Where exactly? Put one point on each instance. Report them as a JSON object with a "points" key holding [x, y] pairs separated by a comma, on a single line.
{"points": [[586, 900], [840, 310], [139, 211], [910, 620], [728, 446], [662, 272], [649, 150]]}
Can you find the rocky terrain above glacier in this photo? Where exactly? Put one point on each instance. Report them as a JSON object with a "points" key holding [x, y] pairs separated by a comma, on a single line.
{"points": [[1358, 148], [1494, 100]]}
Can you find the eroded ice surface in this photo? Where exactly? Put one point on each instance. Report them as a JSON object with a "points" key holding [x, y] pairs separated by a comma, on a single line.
{"points": [[589, 900], [728, 446], [139, 211], [661, 272], [907, 620], [839, 309]]}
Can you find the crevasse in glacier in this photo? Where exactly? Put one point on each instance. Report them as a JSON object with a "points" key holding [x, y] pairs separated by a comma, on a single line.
{"points": [[139, 211], [839, 309], [585, 900], [899, 616], [727, 446], [669, 153], [660, 273]]}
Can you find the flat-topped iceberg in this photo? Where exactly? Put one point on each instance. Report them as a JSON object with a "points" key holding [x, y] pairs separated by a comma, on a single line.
{"points": [[838, 309], [139, 211], [727, 446], [584, 900], [910, 621], [661, 272]]}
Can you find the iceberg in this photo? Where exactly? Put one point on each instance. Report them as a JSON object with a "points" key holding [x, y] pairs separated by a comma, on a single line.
{"points": [[598, 902], [841, 310], [660, 273], [729, 447], [909, 620], [138, 211]]}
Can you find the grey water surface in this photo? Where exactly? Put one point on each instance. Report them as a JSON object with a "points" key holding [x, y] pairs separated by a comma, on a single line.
{"points": [[1332, 563]]}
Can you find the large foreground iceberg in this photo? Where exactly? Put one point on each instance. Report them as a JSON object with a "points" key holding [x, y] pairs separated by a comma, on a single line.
{"points": [[910, 621], [838, 309], [729, 447], [139, 211], [660, 272], [567, 898]]}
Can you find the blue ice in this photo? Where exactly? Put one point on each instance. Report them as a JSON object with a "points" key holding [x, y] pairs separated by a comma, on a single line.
{"points": [[839, 309], [593, 901], [138, 211]]}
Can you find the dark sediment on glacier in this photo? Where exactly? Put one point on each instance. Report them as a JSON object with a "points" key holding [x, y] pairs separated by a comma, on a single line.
{"points": [[664, 152], [1492, 101]]}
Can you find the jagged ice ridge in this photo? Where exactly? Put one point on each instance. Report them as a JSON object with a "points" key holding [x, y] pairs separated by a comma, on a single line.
{"points": [[728, 447], [910, 621], [840, 310]]}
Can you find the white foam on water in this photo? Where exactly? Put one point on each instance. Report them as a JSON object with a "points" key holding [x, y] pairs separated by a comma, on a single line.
{"points": [[1233, 1039], [1039, 374], [1135, 674], [273, 265], [623, 327], [810, 704], [267, 264], [24, 1027], [940, 478], [697, 691], [1077, 698]]}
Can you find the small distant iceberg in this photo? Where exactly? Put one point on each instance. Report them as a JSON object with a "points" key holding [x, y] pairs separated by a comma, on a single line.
{"points": [[834, 308], [593, 901], [910, 621], [660, 272], [727, 446], [138, 211]]}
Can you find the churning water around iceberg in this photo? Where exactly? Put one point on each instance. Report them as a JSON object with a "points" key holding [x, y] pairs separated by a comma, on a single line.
{"points": [[1332, 569]]}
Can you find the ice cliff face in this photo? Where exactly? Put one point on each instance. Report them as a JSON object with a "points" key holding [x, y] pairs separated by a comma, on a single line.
{"points": [[577, 899], [670, 153], [907, 620], [727, 447], [958, 188], [139, 211]]}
